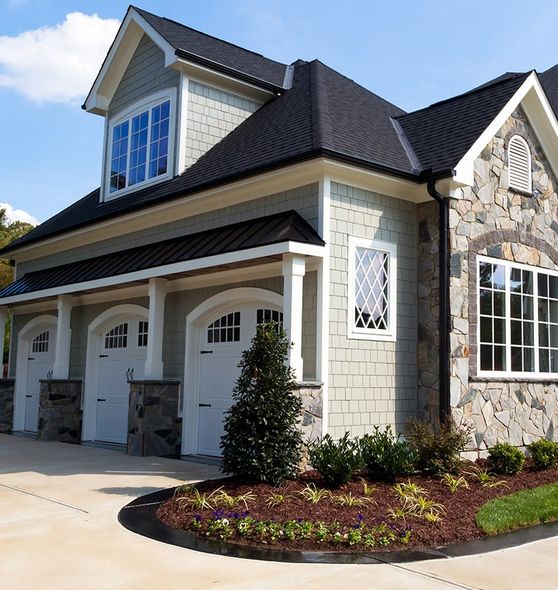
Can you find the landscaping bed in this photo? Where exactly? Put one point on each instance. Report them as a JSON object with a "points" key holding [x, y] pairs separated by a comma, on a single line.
{"points": [[361, 515]]}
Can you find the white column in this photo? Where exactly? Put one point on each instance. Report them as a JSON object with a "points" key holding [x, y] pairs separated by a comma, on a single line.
{"points": [[294, 269], [61, 368], [154, 360], [3, 317]]}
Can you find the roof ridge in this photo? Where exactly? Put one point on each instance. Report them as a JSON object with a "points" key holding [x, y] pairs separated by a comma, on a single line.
{"points": [[475, 90], [319, 111], [170, 20]]}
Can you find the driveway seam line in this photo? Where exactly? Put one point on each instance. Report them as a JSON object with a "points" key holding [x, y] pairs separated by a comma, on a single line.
{"points": [[43, 498], [434, 577]]}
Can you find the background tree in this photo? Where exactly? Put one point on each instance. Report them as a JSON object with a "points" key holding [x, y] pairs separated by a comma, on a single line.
{"points": [[9, 231], [262, 441]]}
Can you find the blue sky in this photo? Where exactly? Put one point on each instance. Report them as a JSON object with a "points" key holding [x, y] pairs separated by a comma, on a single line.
{"points": [[410, 52]]}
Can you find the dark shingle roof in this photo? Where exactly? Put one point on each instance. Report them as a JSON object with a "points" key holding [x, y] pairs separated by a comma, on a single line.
{"points": [[549, 81], [323, 113], [195, 43], [442, 133], [263, 231]]}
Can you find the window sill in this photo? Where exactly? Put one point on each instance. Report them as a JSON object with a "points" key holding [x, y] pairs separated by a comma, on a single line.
{"points": [[373, 337], [508, 379], [136, 187]]}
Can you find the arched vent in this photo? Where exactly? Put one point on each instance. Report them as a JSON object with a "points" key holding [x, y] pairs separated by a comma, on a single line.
{"points": [[519, 164]]}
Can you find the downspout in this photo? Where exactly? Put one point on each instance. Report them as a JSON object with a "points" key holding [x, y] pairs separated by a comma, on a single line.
{"points": [[444, 314]]}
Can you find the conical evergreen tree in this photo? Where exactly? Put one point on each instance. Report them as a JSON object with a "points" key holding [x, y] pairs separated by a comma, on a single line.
{"points": [[262, 441]]}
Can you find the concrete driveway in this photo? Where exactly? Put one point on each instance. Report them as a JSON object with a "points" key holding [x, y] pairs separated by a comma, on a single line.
{"points": [[58, 530]]}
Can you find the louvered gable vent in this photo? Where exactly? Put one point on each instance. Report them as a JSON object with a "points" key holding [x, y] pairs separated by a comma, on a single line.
{"points": [[519, 164]]}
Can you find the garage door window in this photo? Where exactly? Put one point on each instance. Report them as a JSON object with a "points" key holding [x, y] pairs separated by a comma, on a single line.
{"points": [[117, 337], [225, 329]]}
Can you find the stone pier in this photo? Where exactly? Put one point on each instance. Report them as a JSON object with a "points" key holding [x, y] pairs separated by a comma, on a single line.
{"points": [[7, 387], [60, 410]]}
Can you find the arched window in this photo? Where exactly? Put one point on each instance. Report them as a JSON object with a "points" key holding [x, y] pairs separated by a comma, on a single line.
{"points": [[519, 165], [117, 337], [40, 342]]}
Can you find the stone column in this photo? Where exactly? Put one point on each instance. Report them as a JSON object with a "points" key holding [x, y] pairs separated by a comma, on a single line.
{"points": [[3, 317], [294, 269], [154, 360], [60, 410], [6, 404], [61, 367]]}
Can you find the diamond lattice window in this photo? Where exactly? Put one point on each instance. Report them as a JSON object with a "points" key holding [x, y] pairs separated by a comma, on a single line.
{"points": [[372, 289]]}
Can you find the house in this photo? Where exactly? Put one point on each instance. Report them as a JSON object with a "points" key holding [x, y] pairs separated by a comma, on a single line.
{"points": [[411, 257]]}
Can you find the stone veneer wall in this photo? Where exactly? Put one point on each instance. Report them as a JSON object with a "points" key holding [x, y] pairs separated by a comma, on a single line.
{"points": [[312, 410], [60, 411], [492, 220], [154, 427], [7, 387]]}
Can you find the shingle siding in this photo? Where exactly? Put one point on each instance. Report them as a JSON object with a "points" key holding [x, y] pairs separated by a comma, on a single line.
{"points": [[371, 382], [302, 199], [212, 114]]}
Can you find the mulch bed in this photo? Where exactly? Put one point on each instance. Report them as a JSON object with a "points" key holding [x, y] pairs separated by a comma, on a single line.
{"points": [[457, 525]]}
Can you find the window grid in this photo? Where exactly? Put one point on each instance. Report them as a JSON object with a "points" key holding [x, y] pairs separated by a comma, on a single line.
{"points": [[263, 316], [117, 337], [493, 312], [371, 289], [130, 139], [40, 342], [143, 328], [531, 319], [225, 329]]}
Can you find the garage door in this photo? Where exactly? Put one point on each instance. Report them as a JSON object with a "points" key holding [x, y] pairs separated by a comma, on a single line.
{"points": [[39, 363]]}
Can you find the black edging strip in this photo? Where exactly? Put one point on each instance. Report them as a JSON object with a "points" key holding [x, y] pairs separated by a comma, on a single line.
{"points": [[139, 517]]}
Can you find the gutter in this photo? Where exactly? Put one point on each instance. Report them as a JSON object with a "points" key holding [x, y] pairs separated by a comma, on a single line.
{"points": [[444, 314]]}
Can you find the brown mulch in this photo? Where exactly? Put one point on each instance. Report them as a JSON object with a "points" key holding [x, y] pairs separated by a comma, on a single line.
{"points": [[458, 524]]}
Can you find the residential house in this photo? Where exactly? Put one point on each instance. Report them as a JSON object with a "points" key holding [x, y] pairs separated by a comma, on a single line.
{"points": [[411, 257]]}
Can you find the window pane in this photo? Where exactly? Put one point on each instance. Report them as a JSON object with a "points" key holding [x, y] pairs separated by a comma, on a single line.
{"points": [[553, 305], [553, 286], [527, 282], [486, 302], [543, 285], [515, 280], [499, 303], [371, 289], [553, 336], [528, 308], [528, 360], [554, 361], [543, 361], [485, 274], [528, 334], [499, 331], [486, 330], [516, 306], [486, 357], [543, 310], [499, 358], [543, 335], [516, 332], [516, 359], [498, 277]]}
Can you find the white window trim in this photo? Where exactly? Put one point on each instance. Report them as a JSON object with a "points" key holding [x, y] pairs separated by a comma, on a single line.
{"points": [[127, 114], [509, 374], [520, 139], [389, 335]]}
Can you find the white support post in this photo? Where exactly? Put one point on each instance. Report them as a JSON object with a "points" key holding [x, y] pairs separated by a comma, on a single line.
{"points": [[3, 317], [61, 367], [294, 269], [154, 360]]}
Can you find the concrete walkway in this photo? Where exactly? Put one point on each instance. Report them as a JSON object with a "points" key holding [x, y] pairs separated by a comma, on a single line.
{"points": [[58, 530]]}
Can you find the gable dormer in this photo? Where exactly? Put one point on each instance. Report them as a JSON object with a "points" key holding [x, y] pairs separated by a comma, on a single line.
{"points": [[169, 94]]}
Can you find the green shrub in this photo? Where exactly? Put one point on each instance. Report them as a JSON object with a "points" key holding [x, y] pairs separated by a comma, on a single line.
{"points": [[438, 452], [262, 440], [336, 461], [504, 458], [384, 456], [544, 453]]}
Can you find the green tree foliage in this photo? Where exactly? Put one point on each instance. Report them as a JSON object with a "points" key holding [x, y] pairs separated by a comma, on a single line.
{"points": [[262, 441], [9, 231]]}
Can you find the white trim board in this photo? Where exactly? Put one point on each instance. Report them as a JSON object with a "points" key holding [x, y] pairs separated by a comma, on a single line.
{"points": [[179, 267]]}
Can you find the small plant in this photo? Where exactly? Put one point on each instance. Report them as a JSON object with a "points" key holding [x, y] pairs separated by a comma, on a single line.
{"points": [[367, 490], [183, 489], [400, 512], [544, 453], [262, 440], [454, 483], [421, 506], [384, 456], [485, 478], [314, 495], [506, 459], [199, 500], [276, 499], [336, 461], [351, 501], [225, 500], [438, 452], [408, 490]]}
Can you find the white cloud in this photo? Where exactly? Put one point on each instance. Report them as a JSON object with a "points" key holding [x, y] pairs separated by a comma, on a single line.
{"points": [[59, 63], [18, 214]]}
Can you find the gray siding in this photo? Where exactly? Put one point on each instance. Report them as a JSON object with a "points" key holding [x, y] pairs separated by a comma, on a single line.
{"points": [[371, 382], [303, 199], [19, 321], [212, 114]]}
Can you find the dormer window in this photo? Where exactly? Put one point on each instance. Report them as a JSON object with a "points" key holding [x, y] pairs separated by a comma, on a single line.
{"points": [[140, 145], [519, 165]]}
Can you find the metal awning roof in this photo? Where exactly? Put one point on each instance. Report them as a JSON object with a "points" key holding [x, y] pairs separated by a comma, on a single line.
{"points": [[288, 226]]}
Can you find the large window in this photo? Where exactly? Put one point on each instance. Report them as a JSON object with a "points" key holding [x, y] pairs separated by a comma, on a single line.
{"points": [[139, 146], [518, 319], [372, 289]]}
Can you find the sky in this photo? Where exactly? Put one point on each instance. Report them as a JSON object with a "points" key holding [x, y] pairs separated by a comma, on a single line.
{"points": [[412, 53]]}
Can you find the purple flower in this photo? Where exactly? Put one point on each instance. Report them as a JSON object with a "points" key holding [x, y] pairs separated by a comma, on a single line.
{"points": [[197, 517], [218, 513], [356, 526], [244, 514], [299, 519], [360, 518]]}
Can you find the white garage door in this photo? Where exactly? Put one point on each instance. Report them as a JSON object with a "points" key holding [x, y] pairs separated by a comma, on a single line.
{"points": [[123, 353], [39, 364], [224, 340]]}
